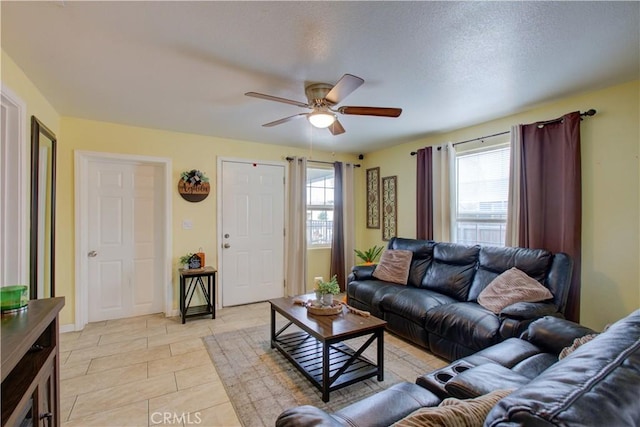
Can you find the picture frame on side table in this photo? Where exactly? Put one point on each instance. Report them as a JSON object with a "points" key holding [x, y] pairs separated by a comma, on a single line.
{"points": [[373, 198], [389, 207]]}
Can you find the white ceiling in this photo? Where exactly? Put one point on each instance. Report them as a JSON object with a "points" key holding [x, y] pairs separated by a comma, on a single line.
{"points": [[184, 66]]}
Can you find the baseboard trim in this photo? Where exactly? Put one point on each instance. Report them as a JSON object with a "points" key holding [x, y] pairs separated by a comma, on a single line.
{"points": [[71, 327]]}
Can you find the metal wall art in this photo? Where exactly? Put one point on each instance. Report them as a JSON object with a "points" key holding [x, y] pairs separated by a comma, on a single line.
{"points": [[373, 198], [389, 207]]}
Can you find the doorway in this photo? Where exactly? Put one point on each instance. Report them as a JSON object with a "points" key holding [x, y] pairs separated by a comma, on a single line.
{"points": [[14, 213], [123, 215], [251, 230]]}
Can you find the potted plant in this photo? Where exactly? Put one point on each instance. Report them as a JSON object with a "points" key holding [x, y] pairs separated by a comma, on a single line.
{"points": [[184, 260], [370, 255], [327, 290]]}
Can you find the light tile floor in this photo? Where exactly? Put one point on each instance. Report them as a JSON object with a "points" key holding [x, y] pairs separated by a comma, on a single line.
{"points": [[153, 370]]}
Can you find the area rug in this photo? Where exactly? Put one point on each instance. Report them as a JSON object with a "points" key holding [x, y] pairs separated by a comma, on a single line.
{"points": [[261, 383]]}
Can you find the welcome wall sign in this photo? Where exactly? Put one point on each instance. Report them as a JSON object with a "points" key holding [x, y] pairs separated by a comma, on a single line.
{"points": [[193, 186]]}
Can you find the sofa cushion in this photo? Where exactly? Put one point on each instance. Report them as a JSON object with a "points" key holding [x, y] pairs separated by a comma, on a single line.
{"points": [[596, 385], [507, 353], [511, 287], [413, 303], [369, 293], [495, 260], [452, 270], [483, 379], [394, 266], [390, 405], [454, 412], [422, 256], [464, 322]]}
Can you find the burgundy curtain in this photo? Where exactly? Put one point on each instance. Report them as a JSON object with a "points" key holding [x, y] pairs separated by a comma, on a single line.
{"points": [[424, 196], [551, 195], [337, 244]]}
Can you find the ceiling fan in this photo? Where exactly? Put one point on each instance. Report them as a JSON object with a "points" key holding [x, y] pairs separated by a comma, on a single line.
{"points": [[322, 98]]}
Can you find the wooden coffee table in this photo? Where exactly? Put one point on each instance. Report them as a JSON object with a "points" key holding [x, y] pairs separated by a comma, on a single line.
{"points": [[318, 350]]}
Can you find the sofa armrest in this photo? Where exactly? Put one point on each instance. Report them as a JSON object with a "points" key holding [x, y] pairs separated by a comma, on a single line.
{"points": [[528, 310], [516, 318], [307, 415], [362, 272], [388, 406], [553, 334]]}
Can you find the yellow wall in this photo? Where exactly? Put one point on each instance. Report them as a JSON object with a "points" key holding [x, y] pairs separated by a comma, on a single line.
{"points": [[318, 263], [611, 190]]}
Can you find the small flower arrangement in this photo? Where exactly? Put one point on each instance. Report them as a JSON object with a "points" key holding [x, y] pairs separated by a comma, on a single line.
{"points": [[194, 177], [184, 259], [330, 287]]}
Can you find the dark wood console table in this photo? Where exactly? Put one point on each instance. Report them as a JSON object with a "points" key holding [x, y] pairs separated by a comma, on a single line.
{"points": [[31, 365]]}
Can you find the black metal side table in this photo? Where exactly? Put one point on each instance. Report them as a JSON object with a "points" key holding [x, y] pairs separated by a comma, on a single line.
{"points": [[190, 280]]}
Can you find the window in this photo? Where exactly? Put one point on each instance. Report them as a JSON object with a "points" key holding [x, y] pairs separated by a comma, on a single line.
{"points": [[482, 191], [319, 207]]}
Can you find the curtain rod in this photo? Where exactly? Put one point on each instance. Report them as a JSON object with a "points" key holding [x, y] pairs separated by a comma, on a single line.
{"points": [[319, 161], [590, 112]]}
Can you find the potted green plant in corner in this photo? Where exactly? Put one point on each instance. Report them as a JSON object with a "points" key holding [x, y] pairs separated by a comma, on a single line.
{"points": [[370, 255], [328, 290], [183, 261]]}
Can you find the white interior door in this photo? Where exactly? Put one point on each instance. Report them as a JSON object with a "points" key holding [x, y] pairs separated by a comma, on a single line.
{"points": [[252, 232], [124, 245]]}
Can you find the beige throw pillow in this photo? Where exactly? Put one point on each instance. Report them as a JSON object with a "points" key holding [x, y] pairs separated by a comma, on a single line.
{"points": [[511, 287], [576, 343], [394, 266], [454, 412]]}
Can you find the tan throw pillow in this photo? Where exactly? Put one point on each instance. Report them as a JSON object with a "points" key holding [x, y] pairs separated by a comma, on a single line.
{"points": [[511, 287], [454, 412], [576, 343], [394, 266]]}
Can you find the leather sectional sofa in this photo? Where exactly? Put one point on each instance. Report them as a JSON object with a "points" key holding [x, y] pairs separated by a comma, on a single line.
{"points": [[437, 309], [597, 384]]}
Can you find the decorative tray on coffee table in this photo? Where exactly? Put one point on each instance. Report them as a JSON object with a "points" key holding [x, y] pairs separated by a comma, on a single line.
{"points": [[314, 307]]}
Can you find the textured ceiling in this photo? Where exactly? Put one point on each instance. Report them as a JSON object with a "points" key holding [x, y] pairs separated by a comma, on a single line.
{"points": [[185, 66]]}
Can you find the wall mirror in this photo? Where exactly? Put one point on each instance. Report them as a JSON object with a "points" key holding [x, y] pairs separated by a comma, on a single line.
{"points": [[43, 202]]}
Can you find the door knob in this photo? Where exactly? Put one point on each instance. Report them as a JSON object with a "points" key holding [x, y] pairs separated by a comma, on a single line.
{"points": [[226, 246], [92, 254]]}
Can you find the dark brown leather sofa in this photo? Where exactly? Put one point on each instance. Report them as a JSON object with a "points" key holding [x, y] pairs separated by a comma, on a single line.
{"points": [[596, 385], [437, 309]]}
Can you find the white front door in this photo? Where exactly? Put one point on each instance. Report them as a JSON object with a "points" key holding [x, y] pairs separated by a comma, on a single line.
{"points": [[125, 244], [252, 232]]}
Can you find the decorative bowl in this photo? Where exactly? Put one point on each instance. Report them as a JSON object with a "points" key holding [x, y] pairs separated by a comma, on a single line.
{"points": [[13, 298], [326, 310]]}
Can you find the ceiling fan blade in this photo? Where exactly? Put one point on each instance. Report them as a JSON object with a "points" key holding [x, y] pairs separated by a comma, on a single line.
{"points": [[347, 84], [371, 111], [336, 128], [277, 99], [286, 119]]}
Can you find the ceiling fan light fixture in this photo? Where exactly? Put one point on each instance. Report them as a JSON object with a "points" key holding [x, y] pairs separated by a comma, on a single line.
{"points": [[321, 119]]}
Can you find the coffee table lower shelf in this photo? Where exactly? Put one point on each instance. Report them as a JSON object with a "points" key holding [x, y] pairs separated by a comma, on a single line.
{"points": [[345, 365]]}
